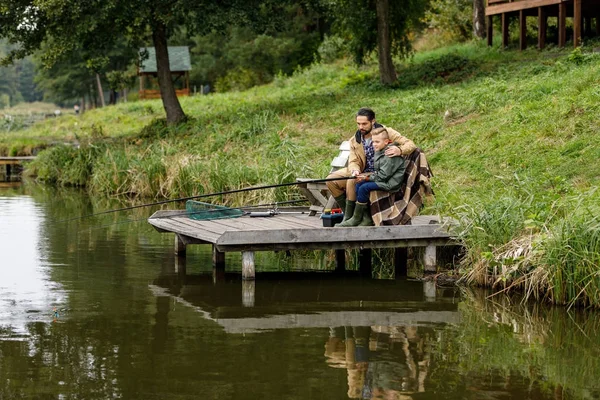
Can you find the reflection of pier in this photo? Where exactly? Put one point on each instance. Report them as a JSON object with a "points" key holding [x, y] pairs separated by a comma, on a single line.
{"points": [[12, 163], [278, 302]]}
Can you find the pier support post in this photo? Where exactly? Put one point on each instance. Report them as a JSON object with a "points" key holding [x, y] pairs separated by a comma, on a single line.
{"points": [[429, 259], [218, 258], [180, 265], [562, 24], [577, 20], [542, 27], [364, 261], [248, 293], [400, 261], [248, 269], [8, 172], [340, 260], [490, 30], [218, 275], [429, 290], [179, 246], [504, 30], [522, 30]]}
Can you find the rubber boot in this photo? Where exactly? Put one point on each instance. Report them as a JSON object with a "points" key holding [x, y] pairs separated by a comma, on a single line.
{"points": [[341, 201], [350, 206], [367, 220], [357, 217]]}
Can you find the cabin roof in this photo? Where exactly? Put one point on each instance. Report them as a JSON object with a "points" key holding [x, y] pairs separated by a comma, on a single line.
{"points": [[179, 59]]}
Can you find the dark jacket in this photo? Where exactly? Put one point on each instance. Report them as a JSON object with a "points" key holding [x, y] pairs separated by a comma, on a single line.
{"points": [[389, 171]]}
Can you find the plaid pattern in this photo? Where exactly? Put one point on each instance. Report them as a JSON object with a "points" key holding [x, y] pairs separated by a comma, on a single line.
{"points": [[400, 207]]}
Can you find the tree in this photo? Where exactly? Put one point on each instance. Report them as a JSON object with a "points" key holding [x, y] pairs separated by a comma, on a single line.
{"points": [[479, 19], [377, 24], [68, 25]]}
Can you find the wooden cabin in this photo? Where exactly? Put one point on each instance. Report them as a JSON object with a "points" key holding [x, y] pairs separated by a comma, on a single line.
{"points": [[179, 64], [582, 12]]}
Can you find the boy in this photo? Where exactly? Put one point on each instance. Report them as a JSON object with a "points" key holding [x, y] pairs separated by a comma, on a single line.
{"points": [[388, 176]]}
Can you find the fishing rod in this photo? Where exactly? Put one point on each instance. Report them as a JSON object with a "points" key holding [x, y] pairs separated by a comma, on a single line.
{"points": [[186, 213], [207, 195]]}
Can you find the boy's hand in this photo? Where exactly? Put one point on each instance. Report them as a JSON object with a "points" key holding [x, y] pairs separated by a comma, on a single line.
{"points": [[362, 178]]}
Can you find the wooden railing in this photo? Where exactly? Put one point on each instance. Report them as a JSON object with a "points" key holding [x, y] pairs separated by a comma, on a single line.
{"points": [[155, 94]]}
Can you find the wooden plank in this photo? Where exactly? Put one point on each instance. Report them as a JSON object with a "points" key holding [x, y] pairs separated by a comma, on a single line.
{"points": [[505, 22], [176, 227], [194, 229], [347, 234], [562, 24], [518, 6], [338, 245], [522, 30], [577, 23], [542, 27]]}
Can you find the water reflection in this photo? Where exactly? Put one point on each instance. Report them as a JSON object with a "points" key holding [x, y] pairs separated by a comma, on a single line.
{"points": [[27, 293], [388, 362]]}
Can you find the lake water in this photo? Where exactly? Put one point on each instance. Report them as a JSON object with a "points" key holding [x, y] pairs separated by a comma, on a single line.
{"points": [[101, 308]]}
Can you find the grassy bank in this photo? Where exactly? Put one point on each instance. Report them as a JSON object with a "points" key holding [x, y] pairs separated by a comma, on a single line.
{"points": [[511, 137]]}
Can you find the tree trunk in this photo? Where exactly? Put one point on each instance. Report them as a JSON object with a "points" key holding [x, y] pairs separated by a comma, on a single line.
{"points": [[169, 98], [387, 72], [479, 18], [100, 91]]}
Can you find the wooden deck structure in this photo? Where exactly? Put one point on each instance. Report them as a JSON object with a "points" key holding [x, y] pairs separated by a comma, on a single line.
{"points": [[303, 231], [10, 162], [583, 12]]}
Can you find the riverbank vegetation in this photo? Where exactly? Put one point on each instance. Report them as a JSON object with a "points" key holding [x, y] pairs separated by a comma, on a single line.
{"points": [[511, 138]]}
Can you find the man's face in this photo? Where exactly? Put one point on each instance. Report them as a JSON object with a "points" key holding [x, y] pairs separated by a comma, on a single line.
{"points": [[364, 125], [379, 142]]}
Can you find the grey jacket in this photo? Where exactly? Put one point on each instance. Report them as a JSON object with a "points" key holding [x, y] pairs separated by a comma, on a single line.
{"points": [[389, 171]]}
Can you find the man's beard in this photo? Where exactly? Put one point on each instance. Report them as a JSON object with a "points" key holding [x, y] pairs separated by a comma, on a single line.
{"points": [[365, 132]]}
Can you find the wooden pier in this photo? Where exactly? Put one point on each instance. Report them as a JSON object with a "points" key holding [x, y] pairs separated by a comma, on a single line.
{"points": [[10, 162], [301, 232]]}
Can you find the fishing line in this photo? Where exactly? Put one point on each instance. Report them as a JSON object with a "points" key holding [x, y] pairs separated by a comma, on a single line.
{"points": [[207, 195]]}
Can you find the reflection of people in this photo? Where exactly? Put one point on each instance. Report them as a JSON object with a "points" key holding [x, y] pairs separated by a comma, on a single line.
{"points": [[381, 361], [362, 159], [388, 176]]}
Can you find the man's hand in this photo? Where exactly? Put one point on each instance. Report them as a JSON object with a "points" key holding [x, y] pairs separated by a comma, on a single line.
{"points": [[355, 172], [362, 177], [393, 151]]}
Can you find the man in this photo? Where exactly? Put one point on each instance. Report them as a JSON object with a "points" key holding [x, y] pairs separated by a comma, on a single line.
{"points": [[362, 159]]}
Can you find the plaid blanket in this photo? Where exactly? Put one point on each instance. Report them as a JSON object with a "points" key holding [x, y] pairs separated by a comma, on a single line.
{"points": [[400, 207]]}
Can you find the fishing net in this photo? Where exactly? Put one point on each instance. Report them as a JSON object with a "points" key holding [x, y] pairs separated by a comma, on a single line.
{"points": [[205, 211]]}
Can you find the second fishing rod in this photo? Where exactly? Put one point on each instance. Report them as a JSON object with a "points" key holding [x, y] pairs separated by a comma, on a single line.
{"points": [[200, 196]]}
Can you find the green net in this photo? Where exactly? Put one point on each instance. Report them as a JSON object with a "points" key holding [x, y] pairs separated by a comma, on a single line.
{"points": [[204, 211]]}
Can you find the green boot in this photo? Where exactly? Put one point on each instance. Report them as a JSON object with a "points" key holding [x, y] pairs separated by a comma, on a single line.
{"points": [[357, 217], [341, 201], [350, 206], [367, 220]]}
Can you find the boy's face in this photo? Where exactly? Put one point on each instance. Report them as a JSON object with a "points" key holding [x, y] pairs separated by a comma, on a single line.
{"points": [[379, 142]]}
